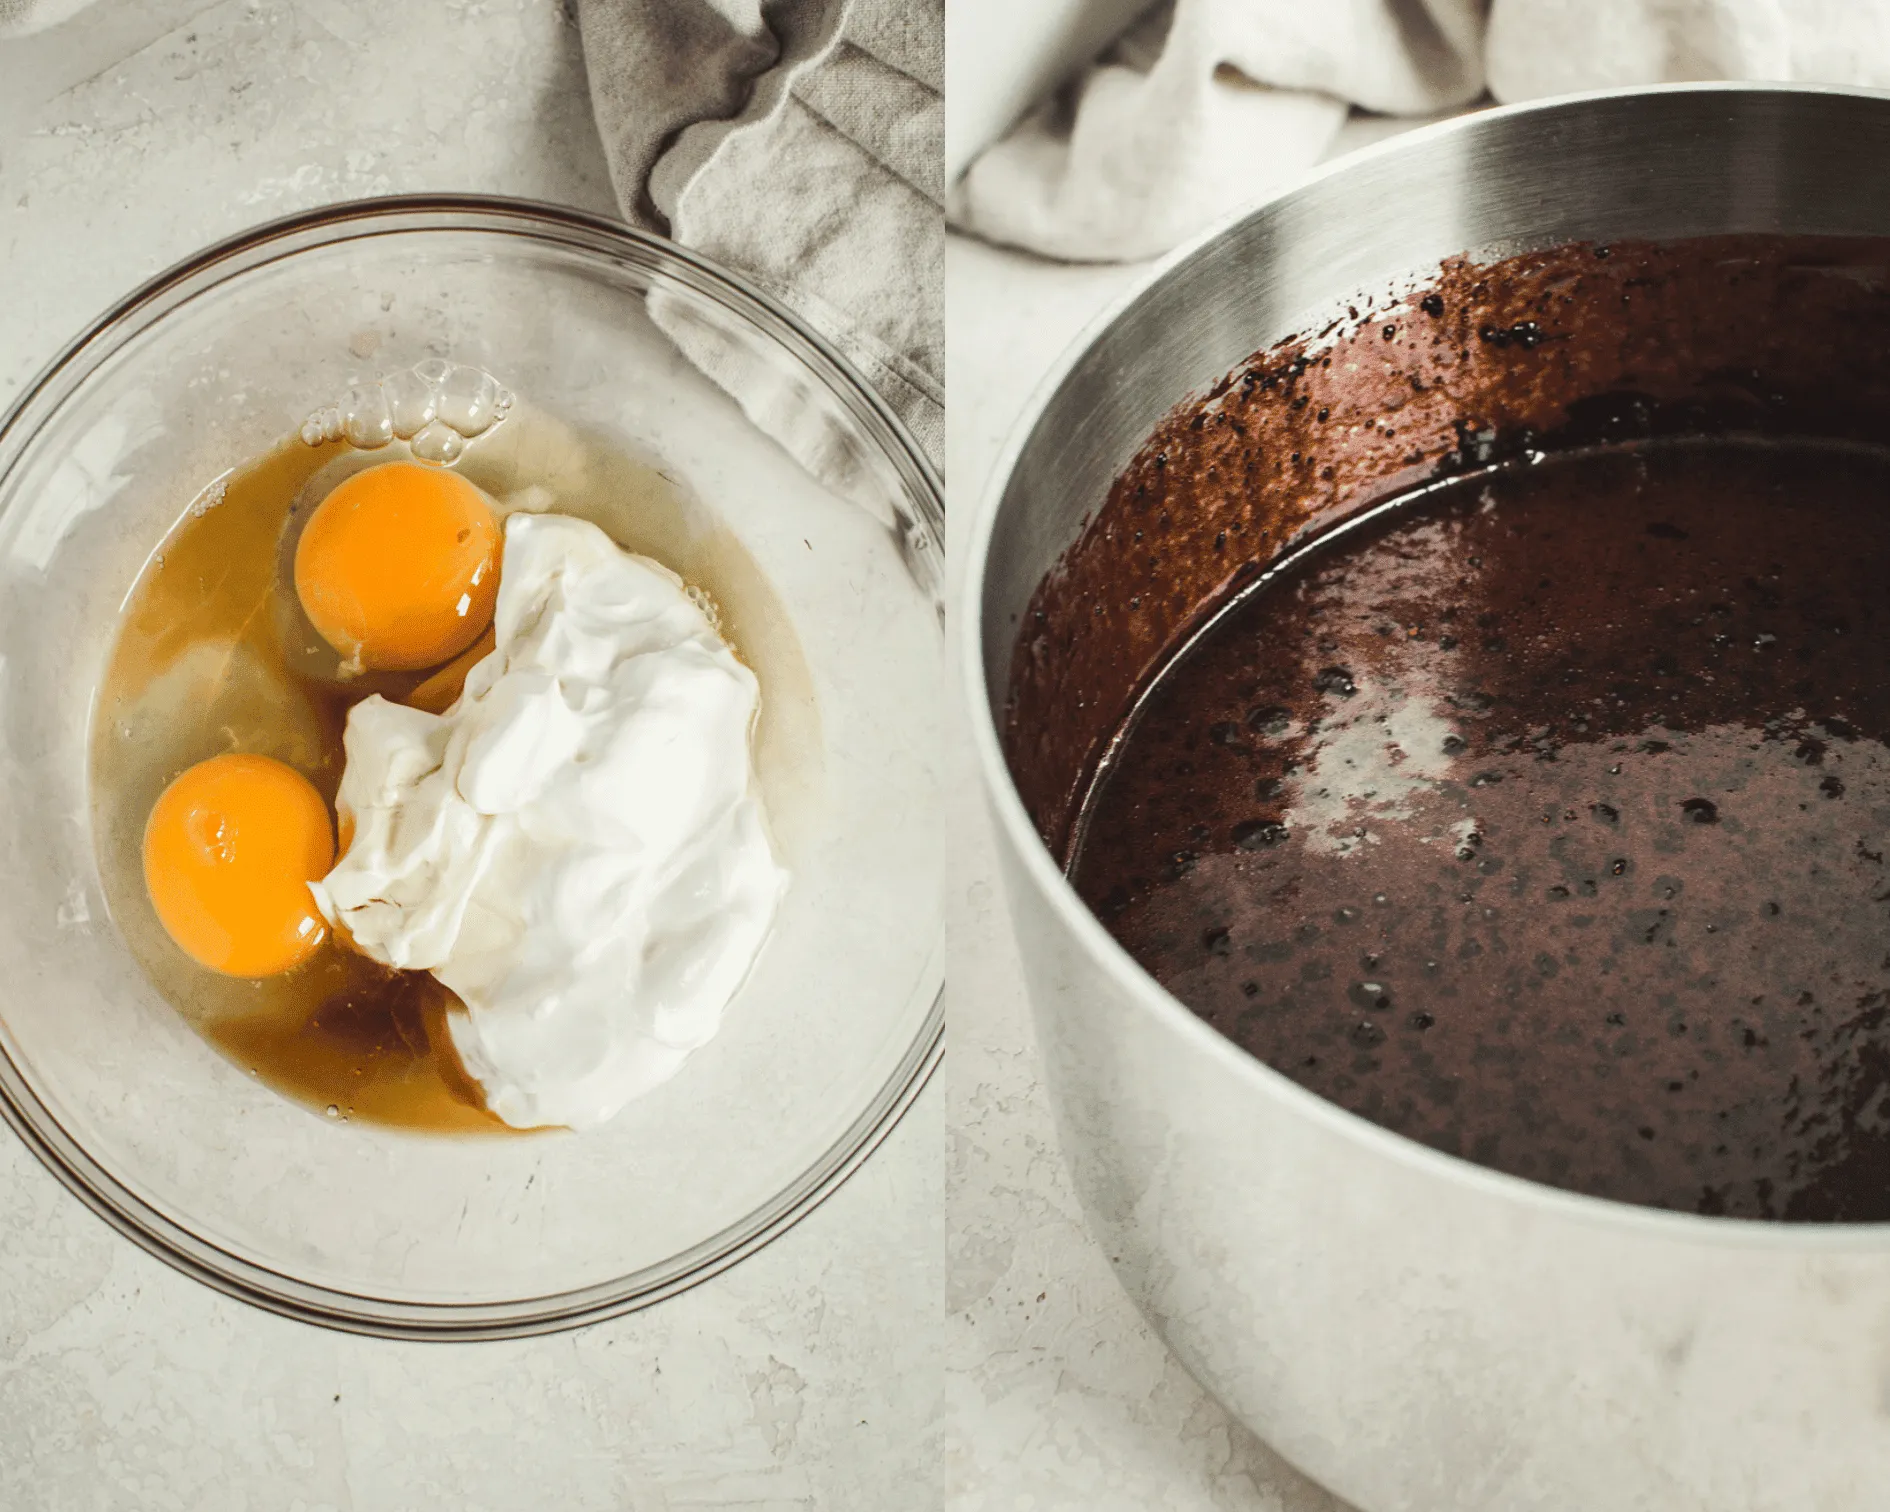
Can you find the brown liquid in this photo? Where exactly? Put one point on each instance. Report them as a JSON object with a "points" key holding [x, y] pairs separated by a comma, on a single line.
{"points": [[1490, 361], [1543, 818], [214, 654]]}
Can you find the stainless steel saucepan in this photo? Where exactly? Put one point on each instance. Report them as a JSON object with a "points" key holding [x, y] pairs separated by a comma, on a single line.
{"points": [[1415, 1331]]}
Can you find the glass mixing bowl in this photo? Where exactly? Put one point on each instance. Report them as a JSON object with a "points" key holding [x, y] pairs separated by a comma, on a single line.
{"points": [[376, 1229]]}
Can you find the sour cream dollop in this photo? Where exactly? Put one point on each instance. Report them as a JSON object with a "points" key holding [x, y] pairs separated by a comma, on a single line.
{"points": [[575, 848]]}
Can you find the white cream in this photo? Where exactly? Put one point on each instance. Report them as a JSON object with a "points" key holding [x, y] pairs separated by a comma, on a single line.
{"points": [[575, 847]]}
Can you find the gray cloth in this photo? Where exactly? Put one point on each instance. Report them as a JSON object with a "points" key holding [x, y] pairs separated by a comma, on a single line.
{"points": [[801, 143]]}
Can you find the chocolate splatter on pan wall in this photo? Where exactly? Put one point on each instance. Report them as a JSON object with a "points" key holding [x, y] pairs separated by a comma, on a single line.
{"points": [[1572, 346]]}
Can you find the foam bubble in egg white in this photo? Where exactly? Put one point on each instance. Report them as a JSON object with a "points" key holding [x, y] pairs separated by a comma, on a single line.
{"points": [[435, 406], [574, 848]]}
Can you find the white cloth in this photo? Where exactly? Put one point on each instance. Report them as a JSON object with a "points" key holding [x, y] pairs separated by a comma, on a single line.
{"points": [[1204, 106], [800, 142], [1546, 47]]}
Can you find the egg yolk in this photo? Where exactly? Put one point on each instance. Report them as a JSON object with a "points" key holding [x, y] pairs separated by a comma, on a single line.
{"points": [[399, 566], [229, 851], [441, 691]]}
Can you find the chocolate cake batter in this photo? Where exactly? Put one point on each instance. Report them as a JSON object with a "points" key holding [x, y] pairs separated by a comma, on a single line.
{"points": [[1543, 818], [1540, 813]]}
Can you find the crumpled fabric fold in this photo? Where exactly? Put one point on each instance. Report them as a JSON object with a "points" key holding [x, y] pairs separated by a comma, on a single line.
{"points": [[1205, 106], [799, 142]]}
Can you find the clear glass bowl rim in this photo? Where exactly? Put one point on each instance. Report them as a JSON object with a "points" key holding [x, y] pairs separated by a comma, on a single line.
{"points": [[658, 258]]}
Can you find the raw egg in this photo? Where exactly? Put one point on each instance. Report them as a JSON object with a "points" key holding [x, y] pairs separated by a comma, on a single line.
{"points": [[229, 851], [399, 566]]}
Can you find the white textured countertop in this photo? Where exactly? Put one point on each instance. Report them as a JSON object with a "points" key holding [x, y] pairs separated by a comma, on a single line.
{"points": [[799, 1379]]}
